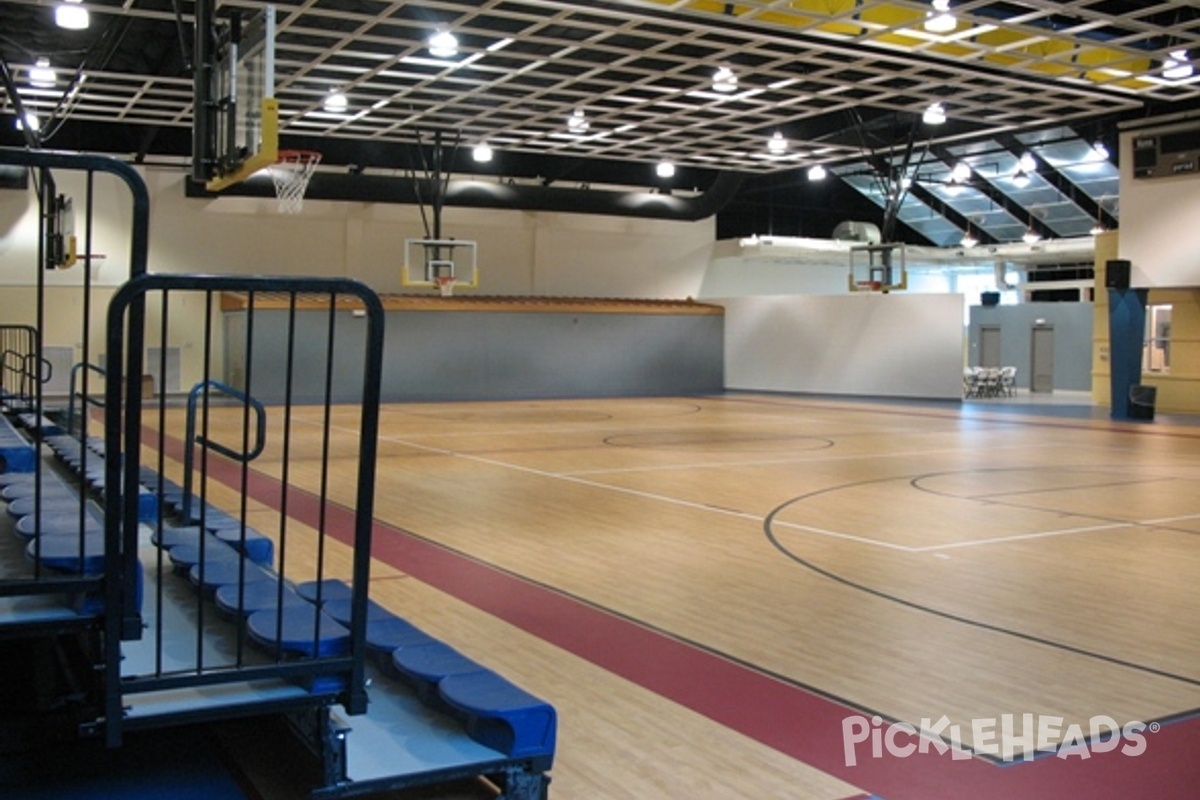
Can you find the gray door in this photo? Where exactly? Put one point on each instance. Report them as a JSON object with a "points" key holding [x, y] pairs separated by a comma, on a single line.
{"points": [[989, 346], [1041, 361]]}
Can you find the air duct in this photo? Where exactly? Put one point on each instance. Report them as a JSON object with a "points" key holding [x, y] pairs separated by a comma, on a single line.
{"points": [[852, 231], [496, 194]]}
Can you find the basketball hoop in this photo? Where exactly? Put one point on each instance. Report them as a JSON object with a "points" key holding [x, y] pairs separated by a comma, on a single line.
{"points": [[445, 284], [291, 175]]}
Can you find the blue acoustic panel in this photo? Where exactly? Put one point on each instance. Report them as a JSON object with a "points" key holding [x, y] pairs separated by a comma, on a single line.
{"points": [[501, 715]]}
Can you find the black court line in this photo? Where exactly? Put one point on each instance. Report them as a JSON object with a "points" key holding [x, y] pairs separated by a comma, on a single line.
{"points": [[768, 523]]}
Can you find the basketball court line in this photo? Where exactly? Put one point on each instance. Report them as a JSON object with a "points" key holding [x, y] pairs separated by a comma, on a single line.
{"points": [[758, 518], [763, 708]]}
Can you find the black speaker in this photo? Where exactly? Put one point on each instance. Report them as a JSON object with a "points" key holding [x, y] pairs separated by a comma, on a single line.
{"points": [[989, 298], [1116, 274]]}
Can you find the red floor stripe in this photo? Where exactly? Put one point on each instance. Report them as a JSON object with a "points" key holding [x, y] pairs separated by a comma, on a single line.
{"points": [[791, 720]]}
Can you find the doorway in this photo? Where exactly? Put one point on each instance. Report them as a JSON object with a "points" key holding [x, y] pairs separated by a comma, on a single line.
{"points": [[989, 346], [1041, 360]]}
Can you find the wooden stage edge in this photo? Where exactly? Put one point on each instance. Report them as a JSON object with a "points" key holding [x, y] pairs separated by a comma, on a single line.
{"points": [[514, 304]]}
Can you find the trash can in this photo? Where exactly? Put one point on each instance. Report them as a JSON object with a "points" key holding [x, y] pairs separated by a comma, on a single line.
{"points": [[1141, 401]]}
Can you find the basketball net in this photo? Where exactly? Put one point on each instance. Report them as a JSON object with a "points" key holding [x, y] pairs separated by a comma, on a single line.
{"points": [[291, 175], [445, 284]]}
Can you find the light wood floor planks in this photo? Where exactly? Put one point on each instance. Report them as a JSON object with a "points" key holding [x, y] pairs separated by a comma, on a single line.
{"points": [[911, 561]]}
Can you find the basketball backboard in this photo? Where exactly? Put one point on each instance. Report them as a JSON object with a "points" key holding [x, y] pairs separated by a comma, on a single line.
{"points": [[236, 113], [61, 247], [877, 268], [429, 262]]}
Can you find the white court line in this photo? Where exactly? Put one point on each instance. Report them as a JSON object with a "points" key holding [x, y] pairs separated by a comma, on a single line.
{"points": [[573, 478], [933, 548]]}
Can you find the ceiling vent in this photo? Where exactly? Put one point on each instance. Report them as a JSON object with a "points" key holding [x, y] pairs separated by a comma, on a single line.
{"points": [[850, 231]]}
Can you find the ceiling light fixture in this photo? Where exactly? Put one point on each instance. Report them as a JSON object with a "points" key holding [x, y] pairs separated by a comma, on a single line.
{"points": [[724, 81], [443, 44], [41, 76], [939, 19], [1177, 67], [1099, 152], [1030, 236], [482, 153], [1027, 163], [336, 103], [934, 115], [777, 144], [968, 240], [31, 122], [1020, 179], [665, 169], [72, 16], [961, 173], [817, 173], [577, 122]]}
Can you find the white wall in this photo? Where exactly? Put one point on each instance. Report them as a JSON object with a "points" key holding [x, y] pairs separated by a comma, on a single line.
{"points": [[893, 345], [1159, 234]]}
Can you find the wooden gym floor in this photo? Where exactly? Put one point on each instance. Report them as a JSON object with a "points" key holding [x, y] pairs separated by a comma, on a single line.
{"points": [[709, 588]]}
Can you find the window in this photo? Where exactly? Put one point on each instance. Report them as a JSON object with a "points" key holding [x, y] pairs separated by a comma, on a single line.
{"points": [[1156, 356]]}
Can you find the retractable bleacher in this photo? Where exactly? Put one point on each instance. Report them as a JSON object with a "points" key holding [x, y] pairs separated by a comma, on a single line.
{"points": [[152, 565]]}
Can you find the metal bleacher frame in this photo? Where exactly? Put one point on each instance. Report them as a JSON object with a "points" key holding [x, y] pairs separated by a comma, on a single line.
{"points": [[150, 643]]}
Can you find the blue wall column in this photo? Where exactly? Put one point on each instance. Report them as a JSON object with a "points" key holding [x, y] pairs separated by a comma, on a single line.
{"points": [[1126, 335]]}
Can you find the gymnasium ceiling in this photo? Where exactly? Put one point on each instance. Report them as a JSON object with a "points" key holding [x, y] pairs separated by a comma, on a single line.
{"points": [[843, 82]]}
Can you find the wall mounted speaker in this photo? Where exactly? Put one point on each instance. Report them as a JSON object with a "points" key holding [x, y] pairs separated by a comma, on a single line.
{"points": [[1116, 274]]}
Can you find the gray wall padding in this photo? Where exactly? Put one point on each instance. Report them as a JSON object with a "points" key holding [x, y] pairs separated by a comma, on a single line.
{"points": [[469, 355]]}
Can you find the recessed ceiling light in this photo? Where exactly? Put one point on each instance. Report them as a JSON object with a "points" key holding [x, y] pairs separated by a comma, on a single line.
{"points": [[72, 16], [443, 44], [42, 76], [1177, 67], [577, 122], [482, 153], [939, 19], [934, 115], [724, 80]]}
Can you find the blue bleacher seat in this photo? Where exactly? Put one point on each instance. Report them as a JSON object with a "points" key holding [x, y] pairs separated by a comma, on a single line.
{"points": [[422, 666], [254, 545], [302, 630], [501, 715], [255, 596], [223, 572], [59, 522], [61, 551], [324, 591]]}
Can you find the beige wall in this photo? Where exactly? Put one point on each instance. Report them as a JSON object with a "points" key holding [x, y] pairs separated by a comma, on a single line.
{"points": [[520, 253], [1179, 389]]}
